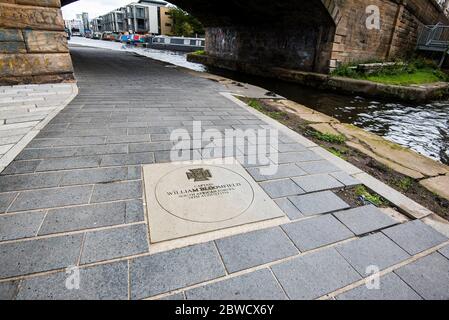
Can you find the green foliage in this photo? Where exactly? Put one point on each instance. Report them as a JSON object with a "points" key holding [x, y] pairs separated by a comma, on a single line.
{"points": [[199, 52], [185, 24], [277, 115], [373, 198], [336, 152], [329, 137], [404, 184], [414, 71]]}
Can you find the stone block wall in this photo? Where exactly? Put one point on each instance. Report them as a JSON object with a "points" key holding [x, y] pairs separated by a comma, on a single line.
{"points": [[400, 24], [33, 45]]}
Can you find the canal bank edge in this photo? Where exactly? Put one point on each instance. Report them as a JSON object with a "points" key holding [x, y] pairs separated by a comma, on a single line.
{"points": [[414, 93], [406, 205]]}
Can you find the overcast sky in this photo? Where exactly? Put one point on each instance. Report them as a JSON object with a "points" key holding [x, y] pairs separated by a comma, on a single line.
{"points": [[95, 8]]}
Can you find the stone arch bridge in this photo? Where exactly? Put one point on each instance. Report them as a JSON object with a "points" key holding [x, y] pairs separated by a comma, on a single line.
{"points": [[309, 35]]}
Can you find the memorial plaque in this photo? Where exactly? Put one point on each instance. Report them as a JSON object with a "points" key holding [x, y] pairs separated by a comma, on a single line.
{"points": [[185, 199]]}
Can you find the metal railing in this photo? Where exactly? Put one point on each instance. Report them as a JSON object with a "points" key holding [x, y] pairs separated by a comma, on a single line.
{"points": [[434, 38]]}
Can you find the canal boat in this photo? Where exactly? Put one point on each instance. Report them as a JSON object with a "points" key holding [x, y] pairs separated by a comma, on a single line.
{"points": [[176, 43]]}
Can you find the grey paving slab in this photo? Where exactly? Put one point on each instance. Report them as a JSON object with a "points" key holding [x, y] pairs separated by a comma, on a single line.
{"points": [[31, 256], [6, 200], [445, 251], [374, 250], [29, 181], [318, 203], [317, 167], [84, 217], [391, 288], [92, 176], [127, 159], [291, 147], [292, 157], [316, 232], [311, 183], [283, 171], [314, 275], [415, 236], [345, 178], [289, 208], [429, 276], [365, 219], [51, 198], [255, 248], [171, 270], [20, 225], [281, 188], [115, 243], [257, 285], [8, 290], [19, 167], [103, 282], [134, 211], [117, 191], [174, 297], [147, 147]]}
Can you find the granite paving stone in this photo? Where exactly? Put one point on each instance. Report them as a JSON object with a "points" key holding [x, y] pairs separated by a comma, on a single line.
{"points": [[134, 211], [365, 219], [257, 285], [292, 157], [84, 217], [289, 208], [314, 275], [127, 159], [391, 288], [31, 256], [103, 282], [20, 167], [445, 251], [318, 203], [8, 290], [5, 200], [415, 236], [281, 188], [373, 250], [283, 171], [92, 176], [51, 198], [345, 178], [29, 181], [255, 248], [311, 183], [291, 147], [115, 243], [117, 191], [171, 270], [428, 276], [68, 163], [317, 167], [20, 225], [174, 297], [316, 232]]}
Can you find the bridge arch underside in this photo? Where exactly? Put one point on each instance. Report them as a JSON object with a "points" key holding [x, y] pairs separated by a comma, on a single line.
{"points": [[289, 34]]}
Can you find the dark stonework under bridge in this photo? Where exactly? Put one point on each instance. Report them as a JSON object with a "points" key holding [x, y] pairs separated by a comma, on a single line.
{"points": [[308, 35]]}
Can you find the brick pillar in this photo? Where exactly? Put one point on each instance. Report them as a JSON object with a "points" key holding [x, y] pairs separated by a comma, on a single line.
{"points": [[33, 45]]}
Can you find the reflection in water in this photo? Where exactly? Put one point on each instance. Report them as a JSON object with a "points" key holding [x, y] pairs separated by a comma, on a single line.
{"points": [[421, 127]]}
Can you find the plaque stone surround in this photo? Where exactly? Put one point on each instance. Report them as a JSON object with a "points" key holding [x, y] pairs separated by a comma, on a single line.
{"points": [[190, 198]]}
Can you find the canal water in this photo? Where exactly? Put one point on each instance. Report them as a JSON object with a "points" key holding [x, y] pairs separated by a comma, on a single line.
{"points": [[421, 127]]}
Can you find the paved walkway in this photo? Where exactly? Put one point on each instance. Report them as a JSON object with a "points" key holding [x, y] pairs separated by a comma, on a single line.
{"points": [[73, 197], [26, 109]]}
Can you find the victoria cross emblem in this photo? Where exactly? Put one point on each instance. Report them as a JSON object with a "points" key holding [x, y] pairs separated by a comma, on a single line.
{"points": [[199, 175]]}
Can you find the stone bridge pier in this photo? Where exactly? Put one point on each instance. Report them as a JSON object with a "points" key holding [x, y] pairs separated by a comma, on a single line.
{"points": [[250, 35]]}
